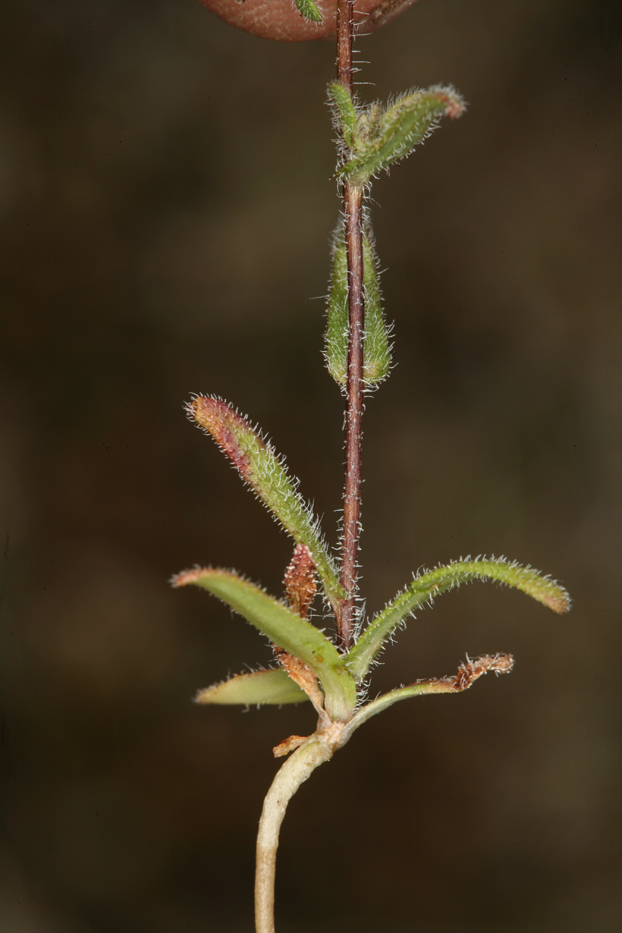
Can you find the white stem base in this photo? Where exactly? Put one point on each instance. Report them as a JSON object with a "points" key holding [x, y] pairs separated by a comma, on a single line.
{"points": [[298, 767]]}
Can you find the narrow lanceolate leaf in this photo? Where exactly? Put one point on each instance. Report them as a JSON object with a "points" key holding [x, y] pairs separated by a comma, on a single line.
{"points": [[254, 689], [387, 134], [428, 585], [265, 472], [377, 353], [467, 674], [377, 347], [345, 112], [309, 10], [336, 338], [286, 630]]}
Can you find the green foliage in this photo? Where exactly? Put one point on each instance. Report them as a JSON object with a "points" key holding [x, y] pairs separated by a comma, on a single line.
{"points": [[372, 139], [425, 587], [379, 136], [286, 630], [312, 666], [309, 10], [266, 474], [345, 112], [467, 674], [377, 346], [258, 688], [336, 337], [377, 353]]}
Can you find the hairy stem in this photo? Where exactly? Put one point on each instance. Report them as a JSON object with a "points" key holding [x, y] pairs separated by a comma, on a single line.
{"points": [[298, 767], [353, 205]]}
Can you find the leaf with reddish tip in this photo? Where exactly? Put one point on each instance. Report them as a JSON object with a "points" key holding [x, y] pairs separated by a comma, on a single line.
{"points": [[424, 588], [286, 629], [265, 472], [273, 687]]}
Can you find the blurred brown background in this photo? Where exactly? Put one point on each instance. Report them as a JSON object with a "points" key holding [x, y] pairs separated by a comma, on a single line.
{"points": [[166, 204]]}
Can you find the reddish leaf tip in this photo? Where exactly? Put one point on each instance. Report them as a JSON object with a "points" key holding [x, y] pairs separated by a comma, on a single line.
{"points": [[187, 577], [225, 425], [559, 602]]}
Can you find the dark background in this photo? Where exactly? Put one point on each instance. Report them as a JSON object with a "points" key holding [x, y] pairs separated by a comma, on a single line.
{"points": [[166, 206]]}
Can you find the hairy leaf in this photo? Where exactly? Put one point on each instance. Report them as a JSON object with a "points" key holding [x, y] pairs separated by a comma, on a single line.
{"points": [[254, 689], [337, 326], [387, 134], [377, 353], [428, 585], [286, 629], [309, 10], [266, 473], [467, 674], [376, 346], [345, 112]]}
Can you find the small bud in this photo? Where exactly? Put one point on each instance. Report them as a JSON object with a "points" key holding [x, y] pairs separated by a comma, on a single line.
{"points": [[300, 581]]}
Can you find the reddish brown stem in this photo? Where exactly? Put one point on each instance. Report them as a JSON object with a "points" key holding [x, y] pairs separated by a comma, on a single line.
{"points": [[353, 202], [345, 32]]}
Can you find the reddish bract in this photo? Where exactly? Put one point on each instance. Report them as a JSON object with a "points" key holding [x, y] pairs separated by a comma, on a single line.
{"points": [[280, 20]]}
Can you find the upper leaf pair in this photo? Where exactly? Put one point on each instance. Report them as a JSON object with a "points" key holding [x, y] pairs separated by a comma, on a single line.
{"points": [[377, 348], [377, 136]]}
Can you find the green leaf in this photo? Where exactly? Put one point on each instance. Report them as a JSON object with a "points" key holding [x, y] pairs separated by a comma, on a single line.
{"points": [[425, 587], [377, 353], [309, 10], [265, 472], [467, 674], [337, 325], [376, 348], [386, 135], [345, 112], [286, 629], [273, 687]]}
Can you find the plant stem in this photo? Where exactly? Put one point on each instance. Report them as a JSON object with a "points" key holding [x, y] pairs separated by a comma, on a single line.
{"points": [[298, 767], [353, 202]]}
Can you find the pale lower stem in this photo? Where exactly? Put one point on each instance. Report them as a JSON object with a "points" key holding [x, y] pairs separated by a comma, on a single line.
{"points": [[298, 767]]}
